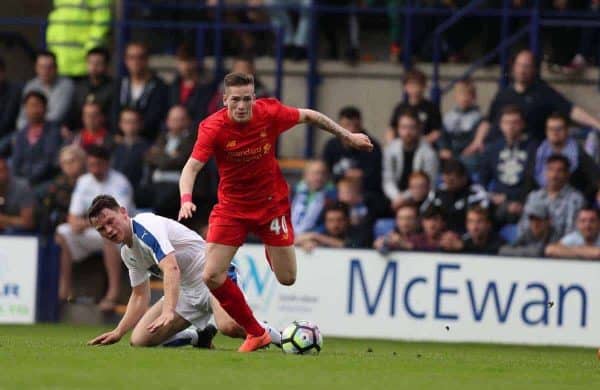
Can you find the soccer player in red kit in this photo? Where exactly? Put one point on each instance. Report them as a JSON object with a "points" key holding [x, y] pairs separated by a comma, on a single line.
{"points": [[253, 195]]}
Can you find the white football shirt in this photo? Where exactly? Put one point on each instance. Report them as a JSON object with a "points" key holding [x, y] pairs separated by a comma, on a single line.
{"points": [[154, 237]]}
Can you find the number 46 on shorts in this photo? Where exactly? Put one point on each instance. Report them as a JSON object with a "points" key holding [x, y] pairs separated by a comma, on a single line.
{"points": [[279, 225]]}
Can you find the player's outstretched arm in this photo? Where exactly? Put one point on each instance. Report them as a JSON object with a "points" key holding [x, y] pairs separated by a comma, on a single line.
{"points": [[171, 279], [186, 186], [136, 307], [358, 141]]}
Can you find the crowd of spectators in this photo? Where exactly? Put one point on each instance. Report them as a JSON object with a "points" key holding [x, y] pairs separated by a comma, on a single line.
{"points": [[514, 181]]}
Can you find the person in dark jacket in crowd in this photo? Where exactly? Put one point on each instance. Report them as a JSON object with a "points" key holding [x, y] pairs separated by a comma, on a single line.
{"points": [[507, 167], [141, 90], [97, 87], [192, 87], [37, 144], [351, 163], [456, 195]]}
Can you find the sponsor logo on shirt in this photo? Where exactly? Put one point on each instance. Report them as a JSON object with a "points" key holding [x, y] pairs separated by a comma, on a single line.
{"points": [[249, 154]]}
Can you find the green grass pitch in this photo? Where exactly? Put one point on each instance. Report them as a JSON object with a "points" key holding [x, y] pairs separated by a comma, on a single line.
{"points": [[56, 357]]}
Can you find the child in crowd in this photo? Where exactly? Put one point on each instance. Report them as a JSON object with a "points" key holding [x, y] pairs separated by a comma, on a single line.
{"points": [[460, 126], [311, 195]]}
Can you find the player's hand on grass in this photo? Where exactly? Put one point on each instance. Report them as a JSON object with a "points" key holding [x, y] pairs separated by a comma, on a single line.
{"points": [[165, 319], [359, 141], [186, 210], [106, 338]]}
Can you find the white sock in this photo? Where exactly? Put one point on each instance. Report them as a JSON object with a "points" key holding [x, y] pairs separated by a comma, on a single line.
{"points": [[187, 336], [274, 333]]}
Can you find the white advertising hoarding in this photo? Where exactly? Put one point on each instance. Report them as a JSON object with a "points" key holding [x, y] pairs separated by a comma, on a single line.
{"points": [[18, 279], [434, 297]]}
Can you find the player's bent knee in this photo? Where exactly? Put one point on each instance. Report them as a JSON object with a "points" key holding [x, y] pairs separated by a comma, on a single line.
{"points": [[213, 279], [139, 340]]}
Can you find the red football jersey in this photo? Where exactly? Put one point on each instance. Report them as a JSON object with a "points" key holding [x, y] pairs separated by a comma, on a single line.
{"points": [[250, 178]]}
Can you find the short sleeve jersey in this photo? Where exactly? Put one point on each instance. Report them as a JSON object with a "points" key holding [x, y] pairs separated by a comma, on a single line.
{"points": [[245, 154], [155, 237]]}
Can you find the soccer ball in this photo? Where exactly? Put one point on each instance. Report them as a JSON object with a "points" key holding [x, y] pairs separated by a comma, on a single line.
{"points": [[301, 337]]}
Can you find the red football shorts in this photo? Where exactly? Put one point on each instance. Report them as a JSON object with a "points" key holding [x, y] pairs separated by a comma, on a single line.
{"points": [[274, 228]]}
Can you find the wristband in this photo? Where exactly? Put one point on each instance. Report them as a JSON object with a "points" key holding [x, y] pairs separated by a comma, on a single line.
{"points": [[186, 198]]}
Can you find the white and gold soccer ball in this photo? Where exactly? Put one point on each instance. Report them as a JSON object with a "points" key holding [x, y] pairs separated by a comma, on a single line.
{"points": [[301, 337]]}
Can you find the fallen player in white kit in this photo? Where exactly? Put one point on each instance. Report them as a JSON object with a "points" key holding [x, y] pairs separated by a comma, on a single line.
{"points": [[155, 245]]}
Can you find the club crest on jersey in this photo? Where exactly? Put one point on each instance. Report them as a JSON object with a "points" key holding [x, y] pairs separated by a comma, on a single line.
{"points": [[231, 144], [266, 148]]}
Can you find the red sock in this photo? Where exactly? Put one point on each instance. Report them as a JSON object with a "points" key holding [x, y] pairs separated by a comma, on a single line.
{"points": [[233, 302]]}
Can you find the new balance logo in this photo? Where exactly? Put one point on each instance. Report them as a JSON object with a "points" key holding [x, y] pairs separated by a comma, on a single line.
{"points": [[231, 144]]}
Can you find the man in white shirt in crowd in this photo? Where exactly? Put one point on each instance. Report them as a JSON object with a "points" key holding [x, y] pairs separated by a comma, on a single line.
{"points": [[582, 243], [77, 239]]}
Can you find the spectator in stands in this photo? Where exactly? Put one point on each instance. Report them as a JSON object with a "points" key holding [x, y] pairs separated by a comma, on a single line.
{"points": [[434, 228], [37, 144], [351, 163], [583, 170], [338, 232], [77, 239], [536, 98], [507, 167], [10, 100], [97, 87], [74, 27], [57, 89], [311, 195], [562, 201], [583, 243], [457, 194], [142, 90], [129, 154], [362, 208], [295, 40], [192, 87], [94, 131], [539, 233], [429, 115], [405, 235], [480, 237], [419, 188], [166, 158], [16, 202], [408, 153], [57, 196], [460, 127]]}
